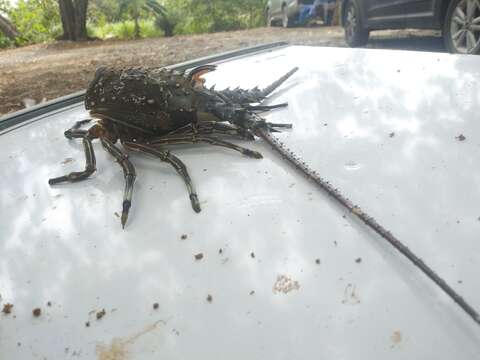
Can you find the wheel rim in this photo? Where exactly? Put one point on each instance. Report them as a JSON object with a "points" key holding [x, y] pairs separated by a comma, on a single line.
{"points": [[351, 22], [284, 17], [465, 26]]}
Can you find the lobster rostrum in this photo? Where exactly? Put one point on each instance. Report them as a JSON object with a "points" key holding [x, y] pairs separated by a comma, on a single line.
{"points": [[148, 109]]}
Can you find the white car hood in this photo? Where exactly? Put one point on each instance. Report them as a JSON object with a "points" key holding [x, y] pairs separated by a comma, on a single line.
{"points": [[383, 126]]}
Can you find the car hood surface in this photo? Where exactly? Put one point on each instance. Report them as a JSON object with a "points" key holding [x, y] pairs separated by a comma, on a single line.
{"points": [[286, 273]]}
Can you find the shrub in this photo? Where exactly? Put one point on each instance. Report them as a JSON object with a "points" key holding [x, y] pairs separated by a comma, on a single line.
{"points": [[124, 30], [36, 20]]}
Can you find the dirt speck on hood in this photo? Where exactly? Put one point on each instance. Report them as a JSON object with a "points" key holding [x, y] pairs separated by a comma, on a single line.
{"points": [[7, 309], [100, 314], [284, 285], [396, 338]]}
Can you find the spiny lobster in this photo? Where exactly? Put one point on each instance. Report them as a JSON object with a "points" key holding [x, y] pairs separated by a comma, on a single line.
{"points": [[147, 109]]}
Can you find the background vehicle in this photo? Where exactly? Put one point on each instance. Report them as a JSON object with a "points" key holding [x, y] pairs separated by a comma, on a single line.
{"points": [[295, 12], [459, 20]]}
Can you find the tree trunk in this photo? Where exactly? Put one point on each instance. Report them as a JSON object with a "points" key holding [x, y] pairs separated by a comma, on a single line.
{"points": [[74, 19], [68, 19], [137, 26], [8, 28], [81, 19], [168, 30]]}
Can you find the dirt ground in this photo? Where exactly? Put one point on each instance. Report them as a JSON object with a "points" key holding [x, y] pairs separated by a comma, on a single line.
{"points": [[42, 72]]}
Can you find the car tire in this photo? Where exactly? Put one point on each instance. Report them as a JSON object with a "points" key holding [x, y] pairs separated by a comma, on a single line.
{"points": [[355, 34], [286, 22], [461, 27]]}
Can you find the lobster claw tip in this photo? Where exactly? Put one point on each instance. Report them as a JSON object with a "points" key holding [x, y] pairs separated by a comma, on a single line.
{"points": [[124, 220], [195, 203], [125, 210]]}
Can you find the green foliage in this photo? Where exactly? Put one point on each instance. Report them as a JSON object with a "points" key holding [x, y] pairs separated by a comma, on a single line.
{"points": [[164, 20], [148, 29], [5, 42], [124, 30], [218, 15], [134, 9], [39, 20], [5, 6], [36, 20], [4, 9], [101, 12]]}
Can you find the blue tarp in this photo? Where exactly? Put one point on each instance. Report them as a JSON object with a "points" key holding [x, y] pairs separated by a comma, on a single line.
{"points": [[307, 12]]}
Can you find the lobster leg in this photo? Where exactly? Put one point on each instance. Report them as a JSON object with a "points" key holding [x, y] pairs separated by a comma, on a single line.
{"points": [[90, 165], [265, 107], [215, 128], [78, 125], [218, 128], [195, 138], [178, 165], [247, 119], [128, 173]]}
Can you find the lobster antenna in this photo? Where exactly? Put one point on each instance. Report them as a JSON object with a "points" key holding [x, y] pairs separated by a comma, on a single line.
{"points": [[264, 133], [269, 89]]}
